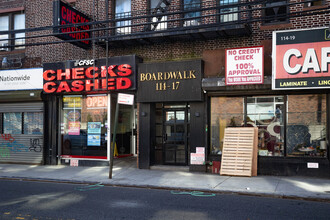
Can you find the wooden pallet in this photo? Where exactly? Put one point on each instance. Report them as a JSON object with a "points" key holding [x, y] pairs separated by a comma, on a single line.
{"points": [[240, 152]]}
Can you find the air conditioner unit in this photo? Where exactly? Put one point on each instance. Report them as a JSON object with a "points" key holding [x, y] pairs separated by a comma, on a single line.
{"points": [[3, 47]]}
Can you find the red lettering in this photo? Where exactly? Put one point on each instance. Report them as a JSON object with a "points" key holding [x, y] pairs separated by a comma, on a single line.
{"points": [[111, 84], [78, 73], [77, 86], [123, 83], [66, 74], [74, 17], [46, 76], [68, 17], [126, 70], [110, 70], [48, 87], [89, 74], [63, 12], [89, 85], [63, 87], [78, 18]]}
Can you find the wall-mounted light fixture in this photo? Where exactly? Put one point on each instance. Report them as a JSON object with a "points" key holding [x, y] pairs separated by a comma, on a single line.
{"points": [[197, 114]]}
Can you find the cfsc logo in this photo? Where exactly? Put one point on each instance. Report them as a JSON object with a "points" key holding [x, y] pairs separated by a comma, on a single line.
{"points": [[84, 62]]}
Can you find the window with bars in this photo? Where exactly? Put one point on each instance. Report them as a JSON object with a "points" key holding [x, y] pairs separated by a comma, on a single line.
{"points": [[228, 14], [123, 11], [276, 12], [9, 22], [21, 123], [192, 17]]}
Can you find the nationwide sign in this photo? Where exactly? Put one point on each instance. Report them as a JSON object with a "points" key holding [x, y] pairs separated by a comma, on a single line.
{"points": [[66, 77], [245, 66], [301, 59], [64, 14], [21, 79]]}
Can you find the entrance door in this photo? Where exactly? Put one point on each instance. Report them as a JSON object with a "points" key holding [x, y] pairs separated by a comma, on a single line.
{"points": [[175, 136]]}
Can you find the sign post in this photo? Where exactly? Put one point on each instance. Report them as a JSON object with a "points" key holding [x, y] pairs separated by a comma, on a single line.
{"points": [[125, 99]]}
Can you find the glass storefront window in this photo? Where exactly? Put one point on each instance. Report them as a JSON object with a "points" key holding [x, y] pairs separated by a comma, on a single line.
{"points": [[33, 123], [306, 126], [225, 112], [84, 125], [22, 123], [304, 131], [12, 123], [266, 114]]}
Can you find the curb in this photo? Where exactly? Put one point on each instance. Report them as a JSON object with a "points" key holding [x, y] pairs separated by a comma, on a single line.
{"points": [[224, 192]]}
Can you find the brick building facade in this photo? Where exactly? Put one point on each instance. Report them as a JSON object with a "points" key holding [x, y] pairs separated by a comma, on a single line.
{"points": [[190, 30]]}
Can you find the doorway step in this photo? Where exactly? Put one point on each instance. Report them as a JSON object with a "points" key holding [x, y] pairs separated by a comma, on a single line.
{"points": [[170, 168]]}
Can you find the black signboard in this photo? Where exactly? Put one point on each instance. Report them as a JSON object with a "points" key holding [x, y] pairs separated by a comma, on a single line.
{"points": [[90, 76], [64, 14], [170, 81]]}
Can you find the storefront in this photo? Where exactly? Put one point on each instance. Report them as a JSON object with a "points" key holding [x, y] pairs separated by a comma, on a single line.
{"points": [[172, 123], [291, 111], [81, 99], [21, 116]]}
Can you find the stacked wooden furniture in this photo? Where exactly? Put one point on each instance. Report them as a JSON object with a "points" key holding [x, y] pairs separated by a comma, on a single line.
{"points": [[240, 152]]}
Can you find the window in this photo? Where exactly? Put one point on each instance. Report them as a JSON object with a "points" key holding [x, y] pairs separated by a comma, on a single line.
{"points": [[291, 126], [160, 21], [314, 3], [4, 26], [84, 125], [225, 112], [33, 123], [12, 123], [12, 22], [123, 11], [194, 15], [225, 12], [266, 113], [22, 123], [276, 12], [306, 126]]}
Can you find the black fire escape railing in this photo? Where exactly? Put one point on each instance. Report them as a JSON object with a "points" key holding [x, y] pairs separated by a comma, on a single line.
{"points": [[172, 18], [167, 19]]}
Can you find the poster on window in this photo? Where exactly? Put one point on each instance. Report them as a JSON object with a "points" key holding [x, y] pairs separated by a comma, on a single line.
{"points": [[74, 128], [94, 127], [301, 59], [198, 158], [94, 140], [245, 66]]}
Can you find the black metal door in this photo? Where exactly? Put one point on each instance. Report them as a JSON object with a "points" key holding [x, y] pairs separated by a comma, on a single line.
{"points": [[175, 136]]}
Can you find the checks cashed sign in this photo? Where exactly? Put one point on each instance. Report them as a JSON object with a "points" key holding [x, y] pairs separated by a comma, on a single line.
{"points": [[244, 66], [301, 59]]}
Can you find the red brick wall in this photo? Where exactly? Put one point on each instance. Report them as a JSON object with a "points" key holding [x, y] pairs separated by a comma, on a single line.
{"points": [[40, 13]]}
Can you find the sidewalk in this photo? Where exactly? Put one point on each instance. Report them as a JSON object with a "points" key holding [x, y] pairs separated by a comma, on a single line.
{"points": [[125, 173]]}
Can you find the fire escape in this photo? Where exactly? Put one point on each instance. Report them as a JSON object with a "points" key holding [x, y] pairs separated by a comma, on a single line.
{"points": [[161, 8]]}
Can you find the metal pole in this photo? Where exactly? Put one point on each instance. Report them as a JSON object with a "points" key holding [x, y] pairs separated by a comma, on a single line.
{"points": [[112, 147], [107, 40]]}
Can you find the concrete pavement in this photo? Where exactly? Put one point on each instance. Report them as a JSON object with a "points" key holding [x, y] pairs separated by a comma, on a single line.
{"points": [[126, 173]]}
